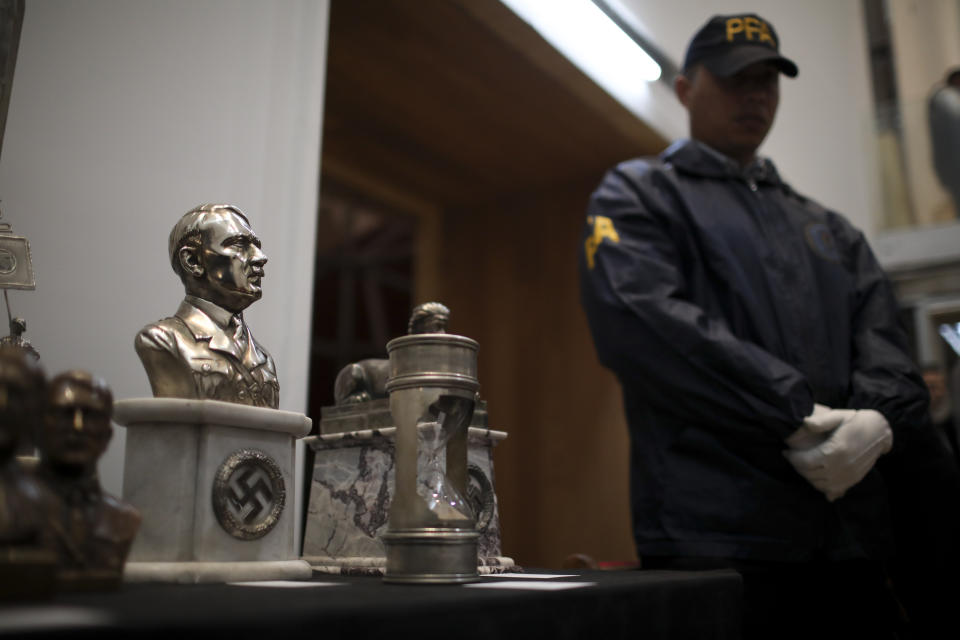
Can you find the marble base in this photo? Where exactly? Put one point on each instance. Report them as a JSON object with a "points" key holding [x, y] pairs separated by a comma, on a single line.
{"points": [[353, 483], [377, 565], [214, 482], [199, 572]]}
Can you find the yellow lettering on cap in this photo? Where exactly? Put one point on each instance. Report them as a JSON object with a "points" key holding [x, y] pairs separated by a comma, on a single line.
{"points": [[765, 35], [751, 26], [602, 228], [734, 26]]}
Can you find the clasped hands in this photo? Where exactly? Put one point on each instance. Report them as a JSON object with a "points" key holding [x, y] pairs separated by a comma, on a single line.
{"points": [[835, 448]]}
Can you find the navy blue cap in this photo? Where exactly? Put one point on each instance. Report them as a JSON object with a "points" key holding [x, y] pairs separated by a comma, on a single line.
{"points": [[727, 44]]}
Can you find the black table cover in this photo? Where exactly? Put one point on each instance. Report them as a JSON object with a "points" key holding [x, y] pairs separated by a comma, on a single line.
{"points": [[621, 604]]}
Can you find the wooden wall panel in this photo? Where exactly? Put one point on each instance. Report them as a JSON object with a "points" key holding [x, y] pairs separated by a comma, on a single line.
{"points": [[509, 274], [459, 112]]}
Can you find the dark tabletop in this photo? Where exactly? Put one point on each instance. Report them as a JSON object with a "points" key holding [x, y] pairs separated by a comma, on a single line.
{"points": [[618, 604]]}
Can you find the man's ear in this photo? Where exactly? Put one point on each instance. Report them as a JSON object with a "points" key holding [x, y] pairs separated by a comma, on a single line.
{"points": [[190, 261], [681, 86]]}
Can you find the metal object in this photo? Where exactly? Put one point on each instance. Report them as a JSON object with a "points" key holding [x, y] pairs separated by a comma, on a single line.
{"points": [[366, 380], [481, 497], [90, 531], [27, 563], [16, 272], [15, 339], [248, 494], [206, 350], [16, 265], [432, 536]]}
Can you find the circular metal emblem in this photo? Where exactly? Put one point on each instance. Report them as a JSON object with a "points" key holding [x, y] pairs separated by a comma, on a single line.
{"points": [[821, 241], [480, 496], [8, 262], [248, 494]]}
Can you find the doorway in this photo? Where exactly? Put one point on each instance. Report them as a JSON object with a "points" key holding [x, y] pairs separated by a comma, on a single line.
{"points": [[456, 116]]}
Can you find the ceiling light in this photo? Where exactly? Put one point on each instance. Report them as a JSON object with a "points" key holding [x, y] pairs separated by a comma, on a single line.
{"points": [[583, 33]]}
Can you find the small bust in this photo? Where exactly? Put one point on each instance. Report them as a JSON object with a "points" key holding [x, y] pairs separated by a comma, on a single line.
{"points": [[18, 326], [366, 379], [27, 561], [206, 350], [21, 397], [429, 317], [90, 531]]}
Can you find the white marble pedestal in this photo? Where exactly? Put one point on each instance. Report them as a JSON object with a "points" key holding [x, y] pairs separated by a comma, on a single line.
{"points": [[214, 482], [353, 484]]}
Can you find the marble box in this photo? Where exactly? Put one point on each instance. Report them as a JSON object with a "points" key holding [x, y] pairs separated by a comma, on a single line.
{"points": [[353, 482], [214, 482]]}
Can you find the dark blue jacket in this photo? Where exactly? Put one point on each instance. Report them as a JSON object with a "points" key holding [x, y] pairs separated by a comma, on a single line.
{"points": [[727, 304]]}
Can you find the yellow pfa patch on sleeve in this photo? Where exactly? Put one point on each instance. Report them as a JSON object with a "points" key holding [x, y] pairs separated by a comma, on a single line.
{"points": [[602, 228]]}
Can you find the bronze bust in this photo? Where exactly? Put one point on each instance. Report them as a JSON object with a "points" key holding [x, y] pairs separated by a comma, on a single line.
{"points": [[206, 350], [90, 531], [26, 562], [366, 380], [21, 397]]}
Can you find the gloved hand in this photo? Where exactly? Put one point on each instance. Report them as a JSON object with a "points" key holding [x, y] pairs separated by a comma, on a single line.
{"points": [[856, 439], [816, 427]]}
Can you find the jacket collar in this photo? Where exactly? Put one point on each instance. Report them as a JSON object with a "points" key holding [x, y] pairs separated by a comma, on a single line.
{"points": [[210, 323], [695, 157]]}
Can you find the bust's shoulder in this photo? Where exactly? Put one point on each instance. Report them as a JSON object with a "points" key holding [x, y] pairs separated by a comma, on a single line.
{"points": [[173, 323], [163, 333], [120, 517]]}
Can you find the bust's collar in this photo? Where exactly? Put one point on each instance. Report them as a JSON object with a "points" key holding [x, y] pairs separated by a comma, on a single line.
{"points": [[204, 319], [213, 311], [74, 491]]}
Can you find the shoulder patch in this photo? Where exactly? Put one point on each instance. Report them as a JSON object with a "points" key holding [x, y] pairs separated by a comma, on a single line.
{"points": [[602, 228], [821, 241]]}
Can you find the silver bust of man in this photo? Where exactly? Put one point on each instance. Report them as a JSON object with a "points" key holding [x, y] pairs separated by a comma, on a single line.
{"points": [[206, 349]]}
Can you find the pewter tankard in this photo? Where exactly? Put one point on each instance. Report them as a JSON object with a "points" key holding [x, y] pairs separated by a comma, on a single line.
{"points": [[432, 536]]}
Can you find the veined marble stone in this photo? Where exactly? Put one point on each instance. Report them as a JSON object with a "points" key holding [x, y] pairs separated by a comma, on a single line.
{"points": [[214, 482], [353, 483]]}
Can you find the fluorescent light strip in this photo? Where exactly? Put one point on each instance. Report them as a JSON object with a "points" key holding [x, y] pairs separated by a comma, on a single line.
{"points": [[591, 40]]}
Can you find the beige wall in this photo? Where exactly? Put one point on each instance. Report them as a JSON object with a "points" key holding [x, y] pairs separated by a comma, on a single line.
{"points": [[926, 42], [822, 140], [125, 114]]}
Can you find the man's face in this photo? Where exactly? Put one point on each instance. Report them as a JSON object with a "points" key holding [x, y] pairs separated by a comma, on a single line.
{"points": [[76, 431], [232, 263], [733, 114]]}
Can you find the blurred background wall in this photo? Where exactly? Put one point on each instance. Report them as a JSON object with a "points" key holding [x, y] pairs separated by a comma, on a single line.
{"points": [[124, 116], [459, 148]]}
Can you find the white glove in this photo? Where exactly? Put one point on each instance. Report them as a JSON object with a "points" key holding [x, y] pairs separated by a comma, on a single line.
{"points": [[856, 439], [813, 433]]}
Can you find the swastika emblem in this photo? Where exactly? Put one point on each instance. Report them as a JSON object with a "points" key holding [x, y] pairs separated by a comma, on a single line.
{"points": [[248, 494], [480, 496]]}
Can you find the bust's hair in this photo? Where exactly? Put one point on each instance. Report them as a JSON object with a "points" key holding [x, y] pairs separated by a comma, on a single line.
{"points": [[188, 232], [953, 76], [64, 388], [18, 370], [426, 312]]}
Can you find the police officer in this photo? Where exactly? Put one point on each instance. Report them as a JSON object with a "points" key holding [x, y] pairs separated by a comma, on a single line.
{"points": [[756, 338]]}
